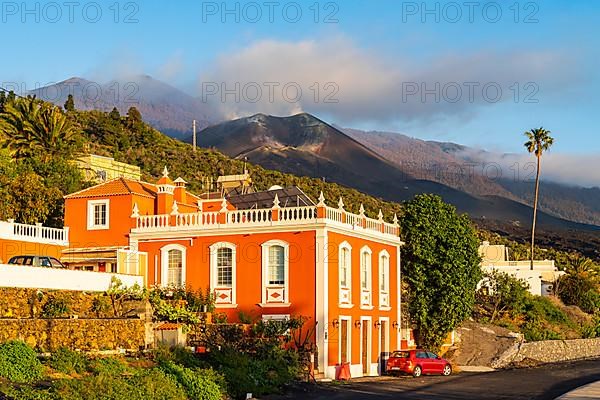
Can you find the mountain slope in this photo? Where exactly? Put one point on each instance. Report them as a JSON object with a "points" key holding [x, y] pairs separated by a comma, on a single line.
{"points": [[304, 145], [163, 106]]}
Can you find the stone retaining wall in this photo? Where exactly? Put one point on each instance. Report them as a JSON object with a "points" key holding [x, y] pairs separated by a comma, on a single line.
{"points": [[549, 351], [80, 334]]}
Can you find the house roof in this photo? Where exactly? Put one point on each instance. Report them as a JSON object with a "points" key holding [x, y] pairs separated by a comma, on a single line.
{"points": [[288, 197], [116, 187]]}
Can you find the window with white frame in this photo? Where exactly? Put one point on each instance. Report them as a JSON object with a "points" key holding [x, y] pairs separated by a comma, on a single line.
{"points": [[275, 266], [222, 272], [98, 214], [173, 264], [365, 276], [345, 273], [384, 279]]}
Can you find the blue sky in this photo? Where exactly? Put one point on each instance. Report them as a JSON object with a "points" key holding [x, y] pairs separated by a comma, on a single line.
{"points": [[376, 53]]}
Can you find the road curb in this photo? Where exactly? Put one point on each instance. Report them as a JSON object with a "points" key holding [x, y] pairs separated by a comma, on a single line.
{"points": [[590, 391]]}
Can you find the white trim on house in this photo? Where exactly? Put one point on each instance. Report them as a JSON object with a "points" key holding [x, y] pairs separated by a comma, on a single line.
{"points": [[275, 317], [164, 263], [366, 294], [225, 297], [91, 214], [345, 291], [321, 301], [275, 294]]}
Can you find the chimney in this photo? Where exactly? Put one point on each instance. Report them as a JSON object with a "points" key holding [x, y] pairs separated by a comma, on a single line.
{"points": [[180, 193], [165, 189]]}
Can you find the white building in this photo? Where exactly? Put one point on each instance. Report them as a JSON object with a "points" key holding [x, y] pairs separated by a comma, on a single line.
{"points": [[540, 280]]}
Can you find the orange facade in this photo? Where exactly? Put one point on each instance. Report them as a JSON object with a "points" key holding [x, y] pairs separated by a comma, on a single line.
{"points": [[339, 270]]}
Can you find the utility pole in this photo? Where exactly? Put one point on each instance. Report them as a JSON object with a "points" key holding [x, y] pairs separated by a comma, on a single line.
{"points": [[194, 135]]}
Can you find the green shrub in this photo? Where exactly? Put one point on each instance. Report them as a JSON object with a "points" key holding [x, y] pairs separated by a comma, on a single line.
{"points": [[56, 307], [28, 393], [142, 385], [107, 366], [19, 363], [178, 355], [68, 361], [199, 384]]}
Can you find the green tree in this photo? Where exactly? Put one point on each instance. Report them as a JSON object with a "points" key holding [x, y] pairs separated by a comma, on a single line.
{"points": [[539, 141], [115, 115], [440, 265], [134, 117], [70, 103], [501, 293]]}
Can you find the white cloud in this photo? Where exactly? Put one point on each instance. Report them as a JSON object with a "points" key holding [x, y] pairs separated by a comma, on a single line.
{"points": [[374, 87]]}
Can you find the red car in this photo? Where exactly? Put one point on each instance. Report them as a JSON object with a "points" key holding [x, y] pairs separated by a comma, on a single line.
{"points": [[417, 363]]}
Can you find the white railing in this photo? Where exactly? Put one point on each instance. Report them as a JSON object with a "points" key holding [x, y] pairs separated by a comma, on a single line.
{"points": [[265, 217], [37, 233]]}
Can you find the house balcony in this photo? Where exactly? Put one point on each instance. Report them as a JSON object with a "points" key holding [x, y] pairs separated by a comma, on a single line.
{"points": [[10, 230], [269, 217]]}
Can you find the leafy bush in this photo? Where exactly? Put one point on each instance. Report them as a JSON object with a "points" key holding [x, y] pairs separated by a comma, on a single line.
{"points": [[178, 355], [107, 366], [28, 393], [19, 363], [56, 307], [68, 361], [580, 291], [199, 384], [143, 385], [500, 294]]}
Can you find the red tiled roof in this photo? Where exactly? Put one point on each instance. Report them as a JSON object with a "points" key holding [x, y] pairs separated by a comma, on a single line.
{"points": [[167, 326], [116, 187]]}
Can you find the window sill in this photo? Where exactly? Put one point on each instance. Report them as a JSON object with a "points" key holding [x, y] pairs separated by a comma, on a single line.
{"points": [[274, 305], [385, 308], [226, 305], [346, 305], [98, 228], [363, 307]]}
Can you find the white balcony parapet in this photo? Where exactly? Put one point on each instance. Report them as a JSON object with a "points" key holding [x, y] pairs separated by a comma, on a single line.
{"points": [[10, 230], [305, 215]]}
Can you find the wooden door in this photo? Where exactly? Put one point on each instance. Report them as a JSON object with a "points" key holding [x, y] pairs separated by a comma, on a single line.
{"points": [[383, 350], [344, 341], [365, 347]]}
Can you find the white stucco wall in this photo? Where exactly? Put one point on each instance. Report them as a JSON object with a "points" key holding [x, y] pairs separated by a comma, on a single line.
{"points": [[53, 278]]}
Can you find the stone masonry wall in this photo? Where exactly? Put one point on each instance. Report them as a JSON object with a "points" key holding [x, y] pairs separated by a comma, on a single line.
{"points": [[549, 351], [80, 334]]}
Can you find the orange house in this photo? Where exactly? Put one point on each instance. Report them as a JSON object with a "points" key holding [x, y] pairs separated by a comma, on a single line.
{"points": [[269, 254]]}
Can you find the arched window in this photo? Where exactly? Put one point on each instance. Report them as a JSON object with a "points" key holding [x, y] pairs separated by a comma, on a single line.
{"points": [[173, 265], [275, 266], [365, 277], [384, 279], [345, 274], [223, 273]]}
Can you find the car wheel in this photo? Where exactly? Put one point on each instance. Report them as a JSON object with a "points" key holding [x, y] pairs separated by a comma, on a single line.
{"points": [[447, 370], [417, 371]]}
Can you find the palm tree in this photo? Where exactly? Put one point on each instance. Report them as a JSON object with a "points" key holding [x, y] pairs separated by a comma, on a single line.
{"points": [[31, 127], [539, 140], [582, 267]]}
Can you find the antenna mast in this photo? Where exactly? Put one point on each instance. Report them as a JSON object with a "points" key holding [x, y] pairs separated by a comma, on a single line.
{"points": [[194, 135]]}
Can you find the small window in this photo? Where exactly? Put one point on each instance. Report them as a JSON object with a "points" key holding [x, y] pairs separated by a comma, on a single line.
{"points": [[276, 270], [224, 267], [345, 267], [98, 214], [55, 263], [432, 355], [401, 354], [175, 263], [421, 354]]}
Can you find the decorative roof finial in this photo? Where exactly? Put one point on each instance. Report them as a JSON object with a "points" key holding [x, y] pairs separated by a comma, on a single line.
{"points": [[380, 215], [136, 211], [341, 204], [321, 200], [224, 205], [165, 172], [395, 220], [361, 210], [175, 210], [276, 202]]}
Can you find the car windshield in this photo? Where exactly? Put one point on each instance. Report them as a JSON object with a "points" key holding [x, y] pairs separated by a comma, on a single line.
{"points": [[401, 354]]}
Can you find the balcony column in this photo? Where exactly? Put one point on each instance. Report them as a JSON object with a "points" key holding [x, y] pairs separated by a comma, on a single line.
{"points": [[321, 207], [222, 219], [275, 209]]}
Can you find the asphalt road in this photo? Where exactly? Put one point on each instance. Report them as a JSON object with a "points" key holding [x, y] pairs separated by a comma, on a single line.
{"points": [[539, 383]]}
